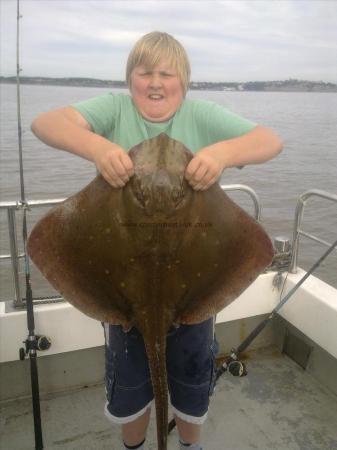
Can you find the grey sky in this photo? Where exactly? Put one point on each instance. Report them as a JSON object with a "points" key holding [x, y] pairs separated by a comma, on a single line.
{"points": [[237, 40]]}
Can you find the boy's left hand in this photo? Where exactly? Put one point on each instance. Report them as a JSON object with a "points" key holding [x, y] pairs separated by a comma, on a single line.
{"points": [[204, 169]]}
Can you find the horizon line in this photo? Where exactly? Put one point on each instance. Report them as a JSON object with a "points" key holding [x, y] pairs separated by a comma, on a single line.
{"points": [[192, 81]]}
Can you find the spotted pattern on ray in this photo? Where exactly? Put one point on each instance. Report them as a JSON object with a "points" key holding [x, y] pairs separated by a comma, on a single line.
{"points": [[140, 255]]}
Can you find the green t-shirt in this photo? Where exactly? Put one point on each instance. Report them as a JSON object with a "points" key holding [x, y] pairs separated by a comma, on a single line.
{"points": [[197, 123]]}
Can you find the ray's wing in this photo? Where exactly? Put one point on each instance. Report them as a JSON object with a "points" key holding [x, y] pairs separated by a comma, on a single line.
{"points": [[75, 246], [222, 254]]}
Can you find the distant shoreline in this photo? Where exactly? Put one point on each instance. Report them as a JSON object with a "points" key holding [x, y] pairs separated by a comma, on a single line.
{"points": [[290, 85]]}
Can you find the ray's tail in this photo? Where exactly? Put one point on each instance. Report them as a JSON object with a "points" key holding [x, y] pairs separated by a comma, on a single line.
{"points": [[156, 352]]}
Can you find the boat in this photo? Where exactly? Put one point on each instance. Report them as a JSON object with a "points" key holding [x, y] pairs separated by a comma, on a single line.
{"points": [[288, 399]]}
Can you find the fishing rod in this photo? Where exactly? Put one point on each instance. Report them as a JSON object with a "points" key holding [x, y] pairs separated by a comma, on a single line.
{"points": [[232, 363], [33, 341]]}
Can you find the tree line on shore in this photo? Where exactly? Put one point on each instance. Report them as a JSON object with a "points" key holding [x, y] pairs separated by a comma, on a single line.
{"points": [[290, 85]]}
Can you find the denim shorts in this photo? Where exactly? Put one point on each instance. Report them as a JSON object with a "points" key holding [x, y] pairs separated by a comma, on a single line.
{"points": [[190, 360]]}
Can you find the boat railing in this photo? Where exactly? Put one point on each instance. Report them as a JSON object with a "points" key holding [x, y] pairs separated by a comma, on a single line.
{"points": [[13, 207], [251, 193], [297, 231]]}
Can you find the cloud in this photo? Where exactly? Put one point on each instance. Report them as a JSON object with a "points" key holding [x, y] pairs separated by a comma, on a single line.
{"points": [[226, 40]]}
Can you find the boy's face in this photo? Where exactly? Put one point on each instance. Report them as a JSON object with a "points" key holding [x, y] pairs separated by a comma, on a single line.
{"points": [[157, 92]]}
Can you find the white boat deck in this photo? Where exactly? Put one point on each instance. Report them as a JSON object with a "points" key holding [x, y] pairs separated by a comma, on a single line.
{"points": [[277, 406]]}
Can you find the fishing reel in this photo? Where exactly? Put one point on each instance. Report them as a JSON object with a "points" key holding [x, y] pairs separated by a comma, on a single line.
{"points": [[237, 368], [233, 365], [36, 342]]}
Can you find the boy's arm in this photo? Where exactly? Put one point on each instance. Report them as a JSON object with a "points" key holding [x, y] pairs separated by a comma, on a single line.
{"points": [[66, 129], [254, 147]]}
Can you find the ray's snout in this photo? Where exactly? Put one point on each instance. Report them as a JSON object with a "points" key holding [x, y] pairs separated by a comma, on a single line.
{"points": [[160, 192]]}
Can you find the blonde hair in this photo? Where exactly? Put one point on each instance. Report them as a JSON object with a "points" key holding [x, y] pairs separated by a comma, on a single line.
{"points": [[154, 47]]}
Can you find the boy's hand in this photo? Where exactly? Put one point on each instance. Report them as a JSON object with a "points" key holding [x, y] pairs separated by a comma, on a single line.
{"points": [[114, 164], [204, 169]]}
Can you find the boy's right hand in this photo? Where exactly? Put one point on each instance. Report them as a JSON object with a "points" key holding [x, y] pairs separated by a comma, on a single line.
{"points": [[114, 164]]}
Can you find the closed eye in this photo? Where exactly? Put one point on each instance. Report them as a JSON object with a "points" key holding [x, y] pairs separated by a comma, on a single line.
{"points": [[166, 74]]}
